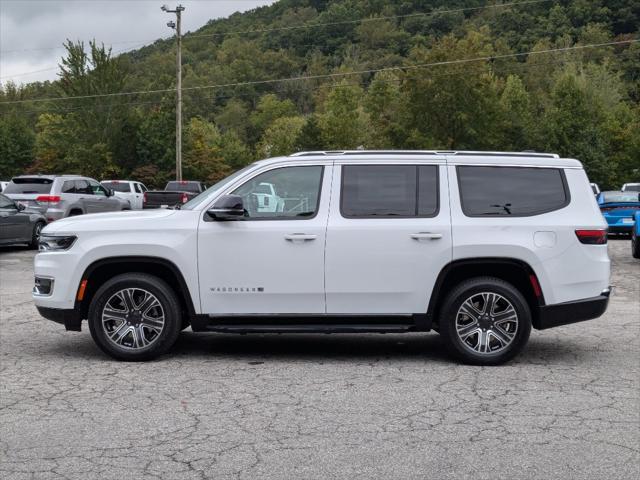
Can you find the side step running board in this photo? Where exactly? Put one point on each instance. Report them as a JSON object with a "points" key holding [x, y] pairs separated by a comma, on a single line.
{"points": [[311, 328]]}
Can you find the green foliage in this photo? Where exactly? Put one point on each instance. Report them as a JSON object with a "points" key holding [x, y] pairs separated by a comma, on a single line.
{"points": [[583, 104]]}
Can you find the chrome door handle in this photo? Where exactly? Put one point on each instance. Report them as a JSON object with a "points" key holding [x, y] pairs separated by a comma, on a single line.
{"points": [[426, 236], [299, 237]]}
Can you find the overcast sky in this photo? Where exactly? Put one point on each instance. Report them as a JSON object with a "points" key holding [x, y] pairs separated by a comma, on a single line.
{"points": [[32, 31]]}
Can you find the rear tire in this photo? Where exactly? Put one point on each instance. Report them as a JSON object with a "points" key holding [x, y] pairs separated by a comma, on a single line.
{"points": [[485, 321], [75, 213], [135, 317], [635, 245], [35, 236]]}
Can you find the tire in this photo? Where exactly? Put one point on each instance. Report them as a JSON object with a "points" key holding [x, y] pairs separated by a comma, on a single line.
{"points": [[504, 336], [75, 213], [635, 245], [125, 333], [35, 236]]}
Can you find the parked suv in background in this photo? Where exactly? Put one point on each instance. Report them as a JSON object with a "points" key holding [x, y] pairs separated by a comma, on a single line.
{"points": [[478, 246], [60, 196], [128, 190], [631, 187]]}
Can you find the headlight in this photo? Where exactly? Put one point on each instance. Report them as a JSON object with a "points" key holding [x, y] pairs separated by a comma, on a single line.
{"points": [[56, 243]]}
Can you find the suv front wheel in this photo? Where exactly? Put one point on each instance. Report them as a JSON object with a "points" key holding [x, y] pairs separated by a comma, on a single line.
{"points": [[485, 321], [135, 317]]}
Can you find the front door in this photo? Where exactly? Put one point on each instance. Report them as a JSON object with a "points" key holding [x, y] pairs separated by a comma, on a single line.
{"points": [[12, 224], [272, 260], [388, 237]]}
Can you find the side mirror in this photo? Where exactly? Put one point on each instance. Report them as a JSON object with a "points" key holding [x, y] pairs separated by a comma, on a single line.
{"points": [[110, 192], [227, 207], [20, 207]]}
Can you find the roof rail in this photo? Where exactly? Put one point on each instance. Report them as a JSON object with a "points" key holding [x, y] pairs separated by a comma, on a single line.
{"points": [[424, 152]]}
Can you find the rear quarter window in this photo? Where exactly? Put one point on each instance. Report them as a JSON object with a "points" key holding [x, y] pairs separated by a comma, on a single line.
{"points": [[511, 191]]}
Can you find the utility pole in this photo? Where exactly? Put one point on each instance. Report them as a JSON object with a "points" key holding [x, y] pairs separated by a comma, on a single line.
{"points": [[177, 26]]}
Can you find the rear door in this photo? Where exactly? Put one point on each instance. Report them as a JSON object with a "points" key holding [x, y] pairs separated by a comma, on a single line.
{"points": [[12, 224], [85, 197], [388, 236], [136, 202]]}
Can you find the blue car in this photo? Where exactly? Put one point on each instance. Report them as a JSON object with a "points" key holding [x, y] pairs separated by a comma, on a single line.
{"points": [[618, 209], [635, 236]]}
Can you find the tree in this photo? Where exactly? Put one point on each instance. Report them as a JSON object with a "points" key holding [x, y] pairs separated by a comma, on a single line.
{"points": [[518, 129], [269, 109], [203, 159], [453, 107], [16, 145], [343, 122], [281, 137], [573, 128]]}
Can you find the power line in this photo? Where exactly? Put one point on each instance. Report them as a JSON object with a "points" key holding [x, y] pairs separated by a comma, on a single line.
{"points": [[333, 75], [478, 69], [309, 25], [366, 20]]}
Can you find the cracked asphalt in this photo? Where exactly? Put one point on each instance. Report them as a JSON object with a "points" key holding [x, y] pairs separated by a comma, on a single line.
{"points": [[319, 406]]}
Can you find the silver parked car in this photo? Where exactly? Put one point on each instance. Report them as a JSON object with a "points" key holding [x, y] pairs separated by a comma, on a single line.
{"points": [[18, 224], [60, 196]]}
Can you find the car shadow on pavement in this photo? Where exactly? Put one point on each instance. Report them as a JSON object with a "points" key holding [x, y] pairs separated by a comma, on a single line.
{"points": [[260, 348]]}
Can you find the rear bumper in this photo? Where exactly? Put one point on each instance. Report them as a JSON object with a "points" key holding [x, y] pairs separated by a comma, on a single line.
{"points": [[620, 228], [70, 318], [572, 312]]}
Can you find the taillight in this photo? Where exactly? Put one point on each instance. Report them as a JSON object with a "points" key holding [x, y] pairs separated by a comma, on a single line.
{"points": [[592, 237], [185, 198], [48, 198], [144, 197]]}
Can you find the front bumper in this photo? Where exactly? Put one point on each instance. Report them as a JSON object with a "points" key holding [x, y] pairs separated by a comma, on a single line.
{"points": [[70, 318], [550, 316]]}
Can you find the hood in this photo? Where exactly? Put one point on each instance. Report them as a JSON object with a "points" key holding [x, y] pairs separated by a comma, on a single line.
{"points": [[124, 220]]}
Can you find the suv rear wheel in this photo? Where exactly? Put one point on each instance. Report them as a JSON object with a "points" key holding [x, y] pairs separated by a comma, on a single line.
{"points": [[635, 244], [485, 321], [135, 317]]}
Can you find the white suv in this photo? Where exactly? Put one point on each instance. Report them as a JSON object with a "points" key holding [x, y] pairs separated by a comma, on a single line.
{"points": [[477, 246]]}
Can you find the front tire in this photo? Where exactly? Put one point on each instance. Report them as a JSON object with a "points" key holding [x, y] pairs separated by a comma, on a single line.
{"points": [[485, 321], [135, 317], [35, 236]]}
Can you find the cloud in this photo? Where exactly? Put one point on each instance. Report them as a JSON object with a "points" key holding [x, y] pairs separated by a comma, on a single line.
{"points": [[33, 31]]}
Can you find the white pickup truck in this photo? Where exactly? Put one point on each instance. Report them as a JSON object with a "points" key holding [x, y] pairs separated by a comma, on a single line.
{"points": [[127, 190]]}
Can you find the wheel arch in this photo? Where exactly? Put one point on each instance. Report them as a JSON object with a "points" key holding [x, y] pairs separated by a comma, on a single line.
{"points": [[517, 272], [102, 270]]}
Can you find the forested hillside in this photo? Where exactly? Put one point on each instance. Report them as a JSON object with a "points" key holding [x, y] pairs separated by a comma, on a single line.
{"points": [[337, 74]]}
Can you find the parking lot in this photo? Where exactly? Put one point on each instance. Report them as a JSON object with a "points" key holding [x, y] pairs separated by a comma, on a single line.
{"points": [[319, 406]]}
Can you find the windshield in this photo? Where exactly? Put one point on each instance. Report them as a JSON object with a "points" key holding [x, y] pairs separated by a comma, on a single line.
{"points": [[29, 185], [204, 196], [118, 186], [193, 187], [620, 197]]}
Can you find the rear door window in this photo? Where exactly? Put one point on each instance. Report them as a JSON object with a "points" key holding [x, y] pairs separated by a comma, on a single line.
{"points": [[82, 186], [29, 185], [402, 191], [511, 191], [69, 186]]}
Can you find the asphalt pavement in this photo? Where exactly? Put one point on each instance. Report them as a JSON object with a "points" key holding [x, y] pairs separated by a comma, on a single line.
{"points": [[319, 406]]}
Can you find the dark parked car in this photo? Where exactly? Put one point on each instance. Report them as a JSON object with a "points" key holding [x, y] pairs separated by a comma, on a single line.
{"points": [[174, 194], [19, 224]]}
